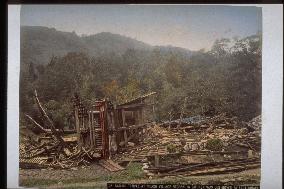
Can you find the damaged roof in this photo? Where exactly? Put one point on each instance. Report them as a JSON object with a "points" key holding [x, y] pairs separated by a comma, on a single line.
{"points": [[137, 99]]}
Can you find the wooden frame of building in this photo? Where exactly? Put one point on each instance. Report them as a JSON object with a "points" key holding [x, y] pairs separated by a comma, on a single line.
{"points": [[105, 128]]}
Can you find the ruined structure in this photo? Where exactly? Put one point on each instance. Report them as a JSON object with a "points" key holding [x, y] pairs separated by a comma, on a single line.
{"points": [[115, 135], [106, 127]]}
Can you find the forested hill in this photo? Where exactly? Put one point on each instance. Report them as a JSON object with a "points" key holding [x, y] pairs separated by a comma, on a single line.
{"points": [[39, 44], [227, 78]]}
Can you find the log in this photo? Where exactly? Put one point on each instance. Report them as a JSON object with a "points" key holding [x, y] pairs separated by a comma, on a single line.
{"points": [[52, 127], [35, 123]]}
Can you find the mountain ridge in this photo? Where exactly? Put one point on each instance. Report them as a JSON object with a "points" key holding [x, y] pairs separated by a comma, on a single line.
{"points": [[40, 43]]}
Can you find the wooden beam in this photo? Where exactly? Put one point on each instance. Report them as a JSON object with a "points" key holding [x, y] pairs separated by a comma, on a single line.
{"points": [[131, 106], [132, 127], [52, 127], [141, 116], [125, 138], [37, 124], [123, 117], [157, 160], [90, 128], [93, 130], [83, 122], [78, 128]]}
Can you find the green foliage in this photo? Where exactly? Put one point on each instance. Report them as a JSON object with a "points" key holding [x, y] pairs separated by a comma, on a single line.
{"points": [[132, 172], [59, 113], [37, 182], [228, 78], [214, 144], [171, 148]]}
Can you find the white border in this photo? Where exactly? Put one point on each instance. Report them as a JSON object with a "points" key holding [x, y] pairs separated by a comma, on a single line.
{"points": [[272, 91], [13, 96]]}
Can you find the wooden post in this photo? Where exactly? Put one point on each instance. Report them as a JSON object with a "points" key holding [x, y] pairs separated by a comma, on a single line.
{"points": [[125, 138], [154, 113], [123, 117], [140, 116], [116, 125], [78, 128], [143, 115], [83, 121], [182, 111], [93, 129], [170, 118], [90, 128], [157, 158]]}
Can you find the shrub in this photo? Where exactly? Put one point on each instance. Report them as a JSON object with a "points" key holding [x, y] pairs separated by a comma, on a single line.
{"points": [[214, 144], [171, 148]]}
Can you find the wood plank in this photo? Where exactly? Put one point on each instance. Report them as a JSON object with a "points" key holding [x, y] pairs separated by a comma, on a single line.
{"points": [[115, 164], [108, 166], [125, 138], [133, 127]]}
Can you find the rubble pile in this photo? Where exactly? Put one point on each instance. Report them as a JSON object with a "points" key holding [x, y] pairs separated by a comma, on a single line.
{"points": [[255, 123], [166, 150], [240, 147], [236, 137], [50, 153], [184, 121], [205, 168], [50, 149]]}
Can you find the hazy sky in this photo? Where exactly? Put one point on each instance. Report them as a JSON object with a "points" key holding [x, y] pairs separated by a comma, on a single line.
{"points": [[188, 26]]}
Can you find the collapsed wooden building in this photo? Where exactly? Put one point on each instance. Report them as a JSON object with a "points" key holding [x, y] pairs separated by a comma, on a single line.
{"points": [[115, 134], [106, 128]]}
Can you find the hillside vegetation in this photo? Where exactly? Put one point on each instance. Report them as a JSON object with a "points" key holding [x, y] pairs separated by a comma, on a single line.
{"points": [[227, 78]]}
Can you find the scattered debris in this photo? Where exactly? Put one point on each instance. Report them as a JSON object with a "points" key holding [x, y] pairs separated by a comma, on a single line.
{"points": [[187, 146], [227, 147], [110, 165]]}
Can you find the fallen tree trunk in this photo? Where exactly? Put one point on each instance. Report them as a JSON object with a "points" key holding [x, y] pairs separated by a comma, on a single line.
{"points": [[52, 127], [35, 123]]}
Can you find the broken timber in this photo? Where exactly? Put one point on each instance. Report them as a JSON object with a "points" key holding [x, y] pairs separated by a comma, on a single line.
{"points": [[110, 165], [52, 127]]}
